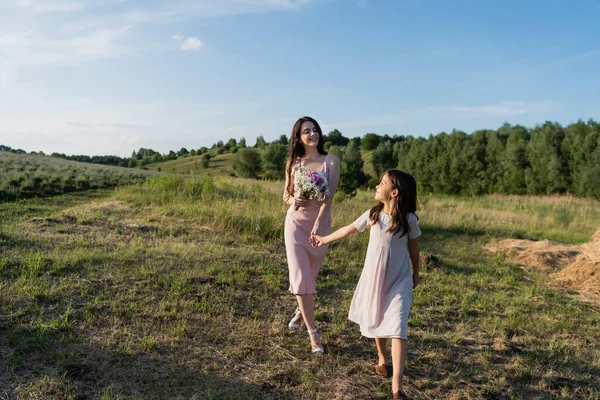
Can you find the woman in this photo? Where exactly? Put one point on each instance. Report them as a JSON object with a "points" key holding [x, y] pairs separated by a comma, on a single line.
{"points": [[306, 218]]}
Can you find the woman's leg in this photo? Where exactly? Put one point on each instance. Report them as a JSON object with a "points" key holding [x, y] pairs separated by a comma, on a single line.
{"points": [[307, 306], [381, 350], [306, 303], [399, 350]]}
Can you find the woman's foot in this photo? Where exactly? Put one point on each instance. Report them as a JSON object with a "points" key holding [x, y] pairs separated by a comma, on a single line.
{"points": [[315, 342], [382, 370], [296, 319]]}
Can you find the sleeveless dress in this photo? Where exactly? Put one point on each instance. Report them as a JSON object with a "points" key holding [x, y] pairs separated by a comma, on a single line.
{"points": [[304, 261]]}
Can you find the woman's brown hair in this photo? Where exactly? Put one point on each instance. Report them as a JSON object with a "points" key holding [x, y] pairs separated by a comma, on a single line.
{"points": [[296, 148]]}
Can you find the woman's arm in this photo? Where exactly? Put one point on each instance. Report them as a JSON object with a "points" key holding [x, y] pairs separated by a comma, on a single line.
{"points": [[334, 167], [289, 199], [318, 241], [413, 250]]}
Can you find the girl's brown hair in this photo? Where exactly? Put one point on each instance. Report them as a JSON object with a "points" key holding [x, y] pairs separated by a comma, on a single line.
{"points": [[406, 201], [296, 148]]}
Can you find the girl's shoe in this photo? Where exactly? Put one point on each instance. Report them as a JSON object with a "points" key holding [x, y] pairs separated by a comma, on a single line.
{"points": [[296, 319], [381, 370], [400, 395], [315, 342]]}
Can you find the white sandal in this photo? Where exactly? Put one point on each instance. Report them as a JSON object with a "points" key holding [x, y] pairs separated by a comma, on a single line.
{"points": [[317, 347], [296, 318]]}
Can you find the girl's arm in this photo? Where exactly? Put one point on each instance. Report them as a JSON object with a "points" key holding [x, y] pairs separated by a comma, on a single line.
{"points": [[334, 165], [318, 241], [413, 250]]}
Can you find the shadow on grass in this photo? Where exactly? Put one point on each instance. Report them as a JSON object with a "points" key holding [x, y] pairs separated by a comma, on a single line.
{"points": [[529, 382], [52, 367]]}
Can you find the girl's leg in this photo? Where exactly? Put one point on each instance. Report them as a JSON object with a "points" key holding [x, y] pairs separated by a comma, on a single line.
{"points": [[381, 350], [399, 350]]}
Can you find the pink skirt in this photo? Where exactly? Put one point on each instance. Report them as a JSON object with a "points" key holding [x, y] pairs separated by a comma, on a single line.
{"points": [[304, 261]]}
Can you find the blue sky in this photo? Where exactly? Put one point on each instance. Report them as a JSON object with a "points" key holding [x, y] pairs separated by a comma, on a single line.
{"points": [[109, 76]]}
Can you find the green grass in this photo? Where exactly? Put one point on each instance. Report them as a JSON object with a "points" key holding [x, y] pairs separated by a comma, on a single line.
{"points": [[177, 289]]}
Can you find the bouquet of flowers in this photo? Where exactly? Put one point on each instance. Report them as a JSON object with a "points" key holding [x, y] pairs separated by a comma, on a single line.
{"points": [[311, 184]]}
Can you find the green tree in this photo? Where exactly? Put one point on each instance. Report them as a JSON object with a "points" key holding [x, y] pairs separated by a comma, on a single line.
{"points": [[352, 175], [383, 158], [283, 139], [581, 147], [230, 145], [336, 138], [548, 171], [247, 163], [514, 161], [370, 141], [260, 142], [205, 163], [273, 160]]}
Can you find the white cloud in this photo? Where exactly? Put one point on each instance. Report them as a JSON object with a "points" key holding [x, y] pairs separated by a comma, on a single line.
{"points": [[26, 49], [35, 34], [191, 43]]}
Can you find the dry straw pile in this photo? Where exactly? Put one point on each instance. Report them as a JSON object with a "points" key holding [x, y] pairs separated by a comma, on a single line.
{"points": [[575, 266]]}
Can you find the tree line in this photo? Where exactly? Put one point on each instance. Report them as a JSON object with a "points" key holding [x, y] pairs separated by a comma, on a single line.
{"points": [[512, 159]]}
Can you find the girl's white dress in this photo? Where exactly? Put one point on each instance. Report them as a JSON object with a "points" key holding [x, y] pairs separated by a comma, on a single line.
{"points": [[383, 296]]}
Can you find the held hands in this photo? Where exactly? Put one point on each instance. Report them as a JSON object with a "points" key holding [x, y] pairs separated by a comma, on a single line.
{"points": [[317, 241]]}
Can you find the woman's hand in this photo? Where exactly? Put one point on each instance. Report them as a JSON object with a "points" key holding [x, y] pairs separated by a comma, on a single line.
{"points": [[318, 241], [299, 202]]}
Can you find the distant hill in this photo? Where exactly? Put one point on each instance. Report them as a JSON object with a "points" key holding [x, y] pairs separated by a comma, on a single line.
{"points": [[219, 165], [29, 175]]}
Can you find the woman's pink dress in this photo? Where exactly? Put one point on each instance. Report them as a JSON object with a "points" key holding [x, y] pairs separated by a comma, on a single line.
{"points": [[304, 261]]}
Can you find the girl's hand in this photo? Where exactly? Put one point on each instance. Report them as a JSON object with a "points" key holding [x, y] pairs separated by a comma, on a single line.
{"points": [[318, 241], [416, 280]]}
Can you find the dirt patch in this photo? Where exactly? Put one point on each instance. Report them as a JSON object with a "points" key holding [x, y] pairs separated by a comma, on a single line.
{"points": [[576, 266]]}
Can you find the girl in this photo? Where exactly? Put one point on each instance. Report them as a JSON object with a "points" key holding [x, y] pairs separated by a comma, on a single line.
{"points": [[383, 296], [305, 218]]}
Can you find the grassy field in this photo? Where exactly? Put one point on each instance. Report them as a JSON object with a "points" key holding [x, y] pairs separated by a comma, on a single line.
{"points": [[177, 289], [26, 175]]}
